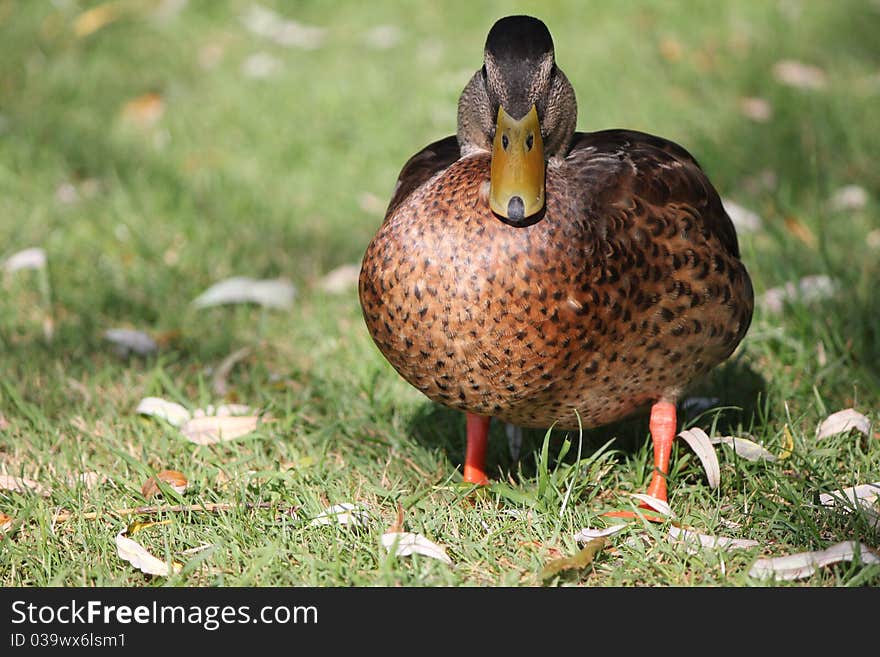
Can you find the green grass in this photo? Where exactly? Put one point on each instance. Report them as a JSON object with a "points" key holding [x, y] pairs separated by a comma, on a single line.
{"points": [[267, 177]]}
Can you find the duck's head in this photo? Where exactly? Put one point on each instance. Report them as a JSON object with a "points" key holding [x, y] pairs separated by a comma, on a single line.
{"points": [[521, 108]]}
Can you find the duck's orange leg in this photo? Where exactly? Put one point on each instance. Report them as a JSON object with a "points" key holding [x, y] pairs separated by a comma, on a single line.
{"points": [[475, 454], [663, 424]]}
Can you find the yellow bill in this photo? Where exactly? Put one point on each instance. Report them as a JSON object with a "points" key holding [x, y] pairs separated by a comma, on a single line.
{"points": [[516, 187]]}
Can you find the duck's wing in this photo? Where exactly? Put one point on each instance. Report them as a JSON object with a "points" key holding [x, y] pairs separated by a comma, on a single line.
{"points": [[421, 167], [652, 172]]}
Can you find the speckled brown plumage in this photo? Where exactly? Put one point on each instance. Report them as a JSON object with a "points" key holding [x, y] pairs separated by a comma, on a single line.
{"points": [[625, 289]]}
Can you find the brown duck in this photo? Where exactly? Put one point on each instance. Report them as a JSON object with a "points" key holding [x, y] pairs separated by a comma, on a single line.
{"points": [[540, 275]]}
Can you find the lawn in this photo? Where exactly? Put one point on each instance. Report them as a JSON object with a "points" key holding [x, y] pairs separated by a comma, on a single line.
{"points": [[155, 148]]}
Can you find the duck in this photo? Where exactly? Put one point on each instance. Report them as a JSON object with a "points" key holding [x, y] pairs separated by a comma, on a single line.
{"points": [[546, 277]]}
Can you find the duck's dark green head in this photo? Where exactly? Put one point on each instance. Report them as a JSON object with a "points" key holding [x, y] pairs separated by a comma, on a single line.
{"points": [[521, 108]]}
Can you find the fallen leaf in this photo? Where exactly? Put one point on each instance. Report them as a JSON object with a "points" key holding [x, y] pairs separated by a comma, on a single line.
{"points": [[403, 544], [218, 380], [743, 219], [212, 429], [33, 258], [342, 514], [273, 293], [171, 412], [747, 449], [670, 49], [174, 478], [702, 446], [756, 109], [223, 410], [140, 558], [658, 505], [94, 19], [144, 111], [127, 341], [588, 534], [693, 539], [22, 485], [341, 279], [804, 564], [806, 290], [5, 522], [865, 497], [578, 562], [843, 421], [850, 197], [787, 443], [800, 75]]}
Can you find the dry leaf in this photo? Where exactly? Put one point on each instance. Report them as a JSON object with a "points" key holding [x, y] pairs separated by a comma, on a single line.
{"points": [[800, 75], [865, 497], [5, 522], [129, 340], [140, 558], [670, 49], [578, 562], [588, 534], [693, 539], [171, 412], [94, 19], [144, 111], [223, 410], [787, 443], [658, 505], [214, 429], [702, 446], [806, 290], [341, 279], [22, 485], [756, 109], [747, 449], [218, 380], [343, 514], [804, 564], [843, 421], [850, 197], [273, 293], [33, 258], [404, 544], [173, 478]]}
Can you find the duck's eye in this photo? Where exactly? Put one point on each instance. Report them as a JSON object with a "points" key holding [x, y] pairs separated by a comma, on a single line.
{"points": [[530, 141], [505, 142]]}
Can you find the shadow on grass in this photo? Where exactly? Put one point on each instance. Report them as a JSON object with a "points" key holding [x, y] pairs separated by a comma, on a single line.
{"points": [[736, 387]]}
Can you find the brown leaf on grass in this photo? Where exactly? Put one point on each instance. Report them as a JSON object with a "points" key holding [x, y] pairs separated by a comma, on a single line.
{"points": [[342, 514], [126, 341], [588, 533], [745, 448], [212, 429], [804, 564], [171, 412], [695, 540], [5, 522], [865, 497], [174, 478], [579, 561], [843, 421], [22, 485], [670, 49], [144, 111], [89, 479]]}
